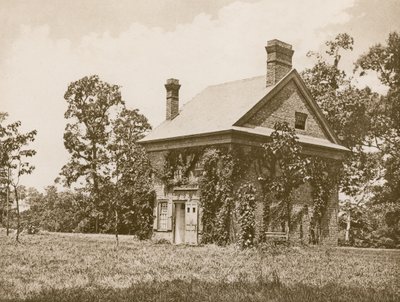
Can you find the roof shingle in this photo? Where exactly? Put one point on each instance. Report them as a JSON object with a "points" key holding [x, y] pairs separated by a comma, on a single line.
{"points": [[216, 108]]}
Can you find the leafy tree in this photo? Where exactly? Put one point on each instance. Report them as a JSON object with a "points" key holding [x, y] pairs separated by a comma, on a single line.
{"points": [[131, 197], [101, 137], [92, 104], [342, 103], [58, 211], [14, 160], [288, 171], [350, 111], [384, 60]]}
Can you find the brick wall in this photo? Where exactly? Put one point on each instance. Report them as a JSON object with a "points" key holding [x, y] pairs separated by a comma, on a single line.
{"points": [[282, 108], [302, 207]]}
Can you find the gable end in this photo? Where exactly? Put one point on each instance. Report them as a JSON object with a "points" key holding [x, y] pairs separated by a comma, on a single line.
{"points": [[272, 101]]}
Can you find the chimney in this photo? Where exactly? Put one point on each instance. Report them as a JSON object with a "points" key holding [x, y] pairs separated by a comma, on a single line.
{"points": [[172, 87], [279, 60]]}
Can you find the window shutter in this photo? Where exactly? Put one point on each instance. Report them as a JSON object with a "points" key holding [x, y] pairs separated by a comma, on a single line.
{"points": [[169, 215], [155, 216]]}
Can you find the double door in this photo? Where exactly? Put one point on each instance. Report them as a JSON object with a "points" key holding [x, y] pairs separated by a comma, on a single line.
{"points": [[186, 222]]}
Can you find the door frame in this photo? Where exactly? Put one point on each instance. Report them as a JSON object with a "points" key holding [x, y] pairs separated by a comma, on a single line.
{"points": [[174, 203]]}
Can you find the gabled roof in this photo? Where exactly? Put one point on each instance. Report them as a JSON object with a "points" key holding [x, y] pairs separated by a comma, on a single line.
{"points": [[228, 106], [214, 109]]}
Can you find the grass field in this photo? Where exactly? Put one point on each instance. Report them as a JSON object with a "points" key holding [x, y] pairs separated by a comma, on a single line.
{"points": [[77, 267]]}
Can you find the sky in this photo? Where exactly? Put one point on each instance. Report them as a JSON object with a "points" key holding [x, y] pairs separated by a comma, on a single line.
{"points": [[47, 44]]}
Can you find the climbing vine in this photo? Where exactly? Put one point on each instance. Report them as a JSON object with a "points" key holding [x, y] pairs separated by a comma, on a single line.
{"points": [[280, 168], [323, 185], [287, 171], [246, 214], [178, 165], [221, 168]]}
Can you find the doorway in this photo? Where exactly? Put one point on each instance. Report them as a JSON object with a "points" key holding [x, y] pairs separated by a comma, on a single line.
{"points": [[179, 223], [186, 222]]}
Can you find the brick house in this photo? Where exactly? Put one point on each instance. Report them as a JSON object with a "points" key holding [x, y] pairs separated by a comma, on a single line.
{"points": [[240, 113]]}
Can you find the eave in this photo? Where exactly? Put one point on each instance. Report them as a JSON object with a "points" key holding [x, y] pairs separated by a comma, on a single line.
{"points": [[237, 136]]}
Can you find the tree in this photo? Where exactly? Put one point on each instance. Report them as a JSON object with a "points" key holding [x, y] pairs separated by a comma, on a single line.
{"points": [[92, 104], [14, 155], [350, 111], [288, 170], [344, 105], [57, 211], [385, 61], [130, 173]]}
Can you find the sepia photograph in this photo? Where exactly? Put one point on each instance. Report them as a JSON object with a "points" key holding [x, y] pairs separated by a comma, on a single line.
{"points": [[199, 150]]}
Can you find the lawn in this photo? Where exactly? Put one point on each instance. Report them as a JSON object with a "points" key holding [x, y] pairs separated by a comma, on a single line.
{"points": [[82, 267]]}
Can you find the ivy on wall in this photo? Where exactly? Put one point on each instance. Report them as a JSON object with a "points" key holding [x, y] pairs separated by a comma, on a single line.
{"points": [[287, 172], [178, 165], [246, 196], [323, 181], [280, 168], [221, 168]]}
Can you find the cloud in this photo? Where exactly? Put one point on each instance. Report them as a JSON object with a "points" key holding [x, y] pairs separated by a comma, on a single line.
{"points": [[206, 51]]}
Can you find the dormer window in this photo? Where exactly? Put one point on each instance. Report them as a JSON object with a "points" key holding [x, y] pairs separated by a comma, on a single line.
{"points": [[300, 120]]}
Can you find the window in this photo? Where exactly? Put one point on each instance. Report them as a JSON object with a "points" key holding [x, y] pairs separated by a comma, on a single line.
{"points": [[162, 218], [178, 174], [300, 120]]}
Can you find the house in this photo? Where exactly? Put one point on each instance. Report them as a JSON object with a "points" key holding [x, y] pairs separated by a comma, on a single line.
{"points": [[238, 114]]}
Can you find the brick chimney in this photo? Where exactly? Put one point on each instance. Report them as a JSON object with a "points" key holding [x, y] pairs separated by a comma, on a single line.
{"points": [[172, 87], [279, 60]]}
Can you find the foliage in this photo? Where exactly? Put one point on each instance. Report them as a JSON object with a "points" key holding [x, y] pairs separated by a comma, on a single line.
{"points": [[287, 173], [323, 180], [91, 104], [359, 116], [246, 214], [385, 61], [114, 170], [14, 162], [345, 106], [179, 165], [220, 167], [58, 211], [131, 194], [372, 225], [209, 195]]}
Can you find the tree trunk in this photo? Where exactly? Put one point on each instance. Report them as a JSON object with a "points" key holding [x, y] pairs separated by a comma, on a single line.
{"points": [[348, 226], [97, 224], [95, 183], [116, 228], [8, 209], [18, 218], [288, 213]]}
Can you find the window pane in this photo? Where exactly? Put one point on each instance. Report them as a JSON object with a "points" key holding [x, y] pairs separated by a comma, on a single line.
{"points": [[163, 216], [300, 120]]}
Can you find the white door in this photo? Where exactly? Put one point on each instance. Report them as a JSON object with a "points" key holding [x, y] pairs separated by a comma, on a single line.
{"points": [[179, 223], [191, 214]]}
